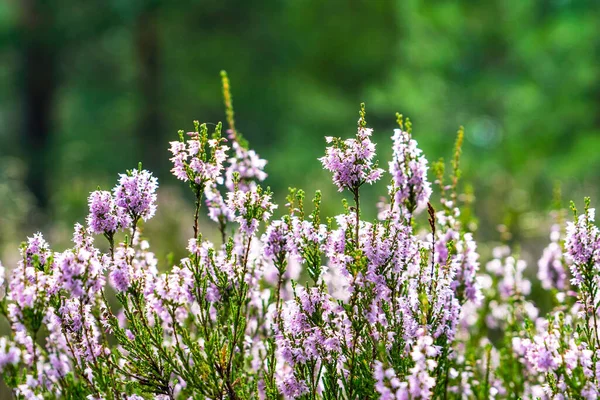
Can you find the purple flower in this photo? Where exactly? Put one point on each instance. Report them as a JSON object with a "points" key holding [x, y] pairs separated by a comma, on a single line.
{"points": [[409, 172], [250, 208], [207, 171], [305, 237], [275, 240], [105, 216], [248, 166], [199, 159], [136, 194], [9, 354], [313, 330], [30, 283], [81, 327], [123, 271], [351, 160], [420, 382], [582, 243], [466, 265], [512, 280], [179, 159], [80, 271], [292, 388], [552, 266], [217, 208]]}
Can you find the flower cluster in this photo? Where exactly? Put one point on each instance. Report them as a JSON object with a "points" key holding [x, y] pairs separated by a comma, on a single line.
{"points": [[311, 335], [136, 194], [134, 197], [409, 173], [247, 165], [583, 245], [300, 305], [553, 267], [420, 383], [104, 215], [199, 159], [351, 160], [250, 208]]}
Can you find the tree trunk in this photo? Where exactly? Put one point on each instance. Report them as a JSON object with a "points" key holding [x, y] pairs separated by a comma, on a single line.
{"points": [[39, 87], [149, 129]]}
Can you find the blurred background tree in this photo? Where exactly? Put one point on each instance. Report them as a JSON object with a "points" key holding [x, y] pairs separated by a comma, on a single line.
{"points": [[89, 88]]}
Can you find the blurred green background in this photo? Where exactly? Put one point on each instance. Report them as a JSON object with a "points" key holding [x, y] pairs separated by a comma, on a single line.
{"points": [[89, 88]]}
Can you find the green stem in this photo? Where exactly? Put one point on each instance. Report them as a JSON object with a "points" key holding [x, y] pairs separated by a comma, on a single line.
{"points": [[357, 207], [197, 212]]}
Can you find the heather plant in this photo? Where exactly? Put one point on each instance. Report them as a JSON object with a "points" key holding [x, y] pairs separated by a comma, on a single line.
{"points": [[293, 304]]}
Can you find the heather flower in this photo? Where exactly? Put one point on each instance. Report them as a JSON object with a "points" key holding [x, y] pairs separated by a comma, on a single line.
{"points": [[552, 266], [9, 354], [217, 207], [207, 172], [30, 389], [336, 246], [177, 286], [542, 354], [80, 271], [387, 383], [30, 282], [247, 166], [511, 273], [582, 243], [313, 330], [420, 382], [457, 251], [135, 194], [82, 330], [59, 354], [351, 160], [105, 217], [466, 265], [171, 293], [553, 350], [408, 168], [432, 294], [275, 240], [122, 271], [179, 159], [199, 159], [250, 208], [306, 238], [291, 387]]}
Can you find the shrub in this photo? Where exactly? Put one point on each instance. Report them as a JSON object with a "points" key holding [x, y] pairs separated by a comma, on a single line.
{"points": [[303, 306]]}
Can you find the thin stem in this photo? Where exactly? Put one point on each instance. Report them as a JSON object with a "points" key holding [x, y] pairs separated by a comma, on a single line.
{"points": [[35, 351], [222, 226], [35, 331], [277, 319], [197, 212], [78, 369], [487, 372], [236, 321], [357, 207], [134, 229], [110, 236]]}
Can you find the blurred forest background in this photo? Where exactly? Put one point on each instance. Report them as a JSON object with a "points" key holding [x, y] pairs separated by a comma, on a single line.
{"points": [[89, 88]]}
